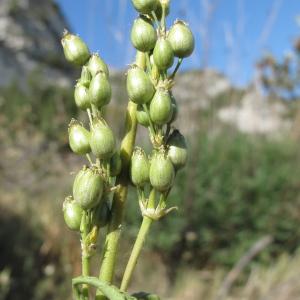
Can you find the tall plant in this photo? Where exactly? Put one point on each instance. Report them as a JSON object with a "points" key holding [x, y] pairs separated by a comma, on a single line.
{"points": [[100, 187]]}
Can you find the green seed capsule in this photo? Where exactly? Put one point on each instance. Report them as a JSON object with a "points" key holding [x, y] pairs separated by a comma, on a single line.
{"points": [[139, 86], [79, 138], [142, 116], [139, 169], [145, 6], [163, 55], [162, 172], [115, 165], [96, 65], [82, 96], [177, 150], [102, 141], [101, 214], [158, 11], [181, 39], [88, 188], [143, 34], [100, 90], [72, 214], [75, 50], [85, 77], [174, 109], [161, 107]]}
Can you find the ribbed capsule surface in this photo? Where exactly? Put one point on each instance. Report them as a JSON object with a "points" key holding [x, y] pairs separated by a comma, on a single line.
{"points": [[162, 172], [145, 6], [139, 169], [177, 151], [96, 64], [72, 214], [181, 39], [163, 54], [87, 188], [75, 50], [82, 96], [142, 117], [85, 77], [79, 138], [161, 107], [143, 34], [139, 86], [102, 141], [100, 90]]}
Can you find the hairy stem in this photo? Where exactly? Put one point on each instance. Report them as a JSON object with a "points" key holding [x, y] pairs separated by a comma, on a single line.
{"points": [[120, 195], [138, 245]]}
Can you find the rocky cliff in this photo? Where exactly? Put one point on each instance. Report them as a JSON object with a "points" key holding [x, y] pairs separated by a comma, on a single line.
{"points": [[30, 33]]}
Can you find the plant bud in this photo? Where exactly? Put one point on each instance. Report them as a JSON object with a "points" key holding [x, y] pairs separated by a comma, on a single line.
{"points": [[101, 214], [79, 138], [87, 188], [100, 90], [145, 6], [174, 109], [72, 214], [139, 169], [143, 34], [115, 165], [142, 116], [161, 107], [181, 39], [85, 77], [75, 50], [163, 55], [162, 172], [102, 141], [82, 96], [139, 86], [177, 150], [96, 65]]}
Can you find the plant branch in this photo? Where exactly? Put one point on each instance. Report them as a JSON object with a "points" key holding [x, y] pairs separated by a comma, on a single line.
{"points": [[120, 195]]}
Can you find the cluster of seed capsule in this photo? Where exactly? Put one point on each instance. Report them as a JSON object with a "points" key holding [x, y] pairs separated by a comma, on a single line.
{"points": [[151, 90], [88, 208]]}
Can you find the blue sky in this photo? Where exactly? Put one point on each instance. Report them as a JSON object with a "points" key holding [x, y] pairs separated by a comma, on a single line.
{"points": [[237, 32]]}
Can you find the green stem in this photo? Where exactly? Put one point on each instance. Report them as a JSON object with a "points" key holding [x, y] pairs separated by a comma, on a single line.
{"points": [[176, 68], [85, 257], [138, 245], [120, 195]]}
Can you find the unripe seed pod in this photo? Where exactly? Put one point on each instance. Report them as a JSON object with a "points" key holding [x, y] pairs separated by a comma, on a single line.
{"points": [[100, 90], [145, 6], [174, 109], [96, 65], [158, 11], [181, 39], [177, 150], [143, 34], [82, 96], [115, 165], [85, 77], [163, 54], [102, 141], [161, 107], [88, 188], [139, 86], [72, 214], [101, 214], [75, 50], [142, 116], [162, 172], [139, 169], [79, 138]]}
